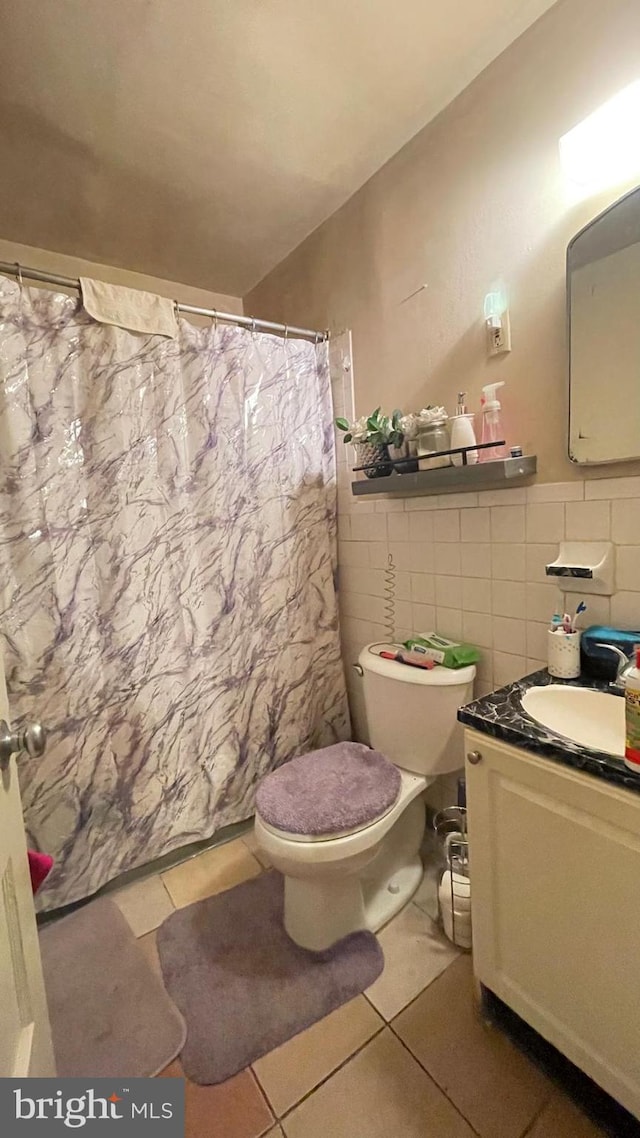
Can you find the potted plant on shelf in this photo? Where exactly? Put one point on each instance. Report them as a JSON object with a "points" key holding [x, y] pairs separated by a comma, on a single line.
{"points": [[377, 438]]}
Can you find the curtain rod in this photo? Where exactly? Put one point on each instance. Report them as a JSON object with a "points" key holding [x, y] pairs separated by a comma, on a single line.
{"points": [[13, 268]]}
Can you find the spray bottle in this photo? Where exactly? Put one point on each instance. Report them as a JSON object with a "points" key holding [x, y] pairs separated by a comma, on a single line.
{"points": [[492, 429]]}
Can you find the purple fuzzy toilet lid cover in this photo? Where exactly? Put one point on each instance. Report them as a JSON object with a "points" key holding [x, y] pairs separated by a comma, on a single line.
{"points": [[340, 788]]}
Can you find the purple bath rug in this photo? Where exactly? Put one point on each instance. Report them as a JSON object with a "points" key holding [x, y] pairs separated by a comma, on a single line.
{"points": [[243, 986]]}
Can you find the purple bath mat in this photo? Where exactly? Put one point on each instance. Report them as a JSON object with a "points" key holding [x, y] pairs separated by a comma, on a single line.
{"points": [[242, 986], [110, 1014]]}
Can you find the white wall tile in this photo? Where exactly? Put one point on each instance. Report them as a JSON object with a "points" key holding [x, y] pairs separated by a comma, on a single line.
{"points": [[423, 588], [421, 502], [628, 567], [598, 609], [510, 496], [344, 527], [507, 668], [542, 601], [389, 505], [484, 667], [534, 665], [475, 525], [413, 557], [625, 610], [545, 522], [612, 487], [537, 557], [447, 558], [625, 521], [476, 560], [401, 585], [476, 594], [507, 523], [353, 553], [508, 562], [367, 527], [509, 635], [420, 526], [588, 521], [537, 639], [449, 623], [456, 501], [356, 579], [424, 618], [397, 527], [556, 492], [477, 628], [448, 592], [508, 599], [362, 607], [446, 525], [378, 554], [402, 616]]}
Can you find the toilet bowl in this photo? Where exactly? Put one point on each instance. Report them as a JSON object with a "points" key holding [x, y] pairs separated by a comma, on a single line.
{"points": [[344, 825]]}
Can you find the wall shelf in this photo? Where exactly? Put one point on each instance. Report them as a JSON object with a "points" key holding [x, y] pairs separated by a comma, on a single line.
{"points": [[451, 479]]}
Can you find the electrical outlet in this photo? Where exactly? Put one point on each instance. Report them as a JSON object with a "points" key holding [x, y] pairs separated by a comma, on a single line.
{"points": [[499, 338]]}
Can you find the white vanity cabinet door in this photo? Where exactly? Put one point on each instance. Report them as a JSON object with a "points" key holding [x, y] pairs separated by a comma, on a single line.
{"points": [[555, 870]]}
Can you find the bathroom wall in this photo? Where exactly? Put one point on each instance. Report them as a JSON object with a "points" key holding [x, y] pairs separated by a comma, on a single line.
{"points": [[476, 199], [472, 566], [74, 266]]}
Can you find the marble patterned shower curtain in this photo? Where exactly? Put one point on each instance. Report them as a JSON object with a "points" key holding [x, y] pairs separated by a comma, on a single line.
{"points": [[167, 536]]}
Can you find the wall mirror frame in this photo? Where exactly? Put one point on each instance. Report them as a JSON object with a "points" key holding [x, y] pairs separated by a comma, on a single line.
{"points": [[603, 301]]}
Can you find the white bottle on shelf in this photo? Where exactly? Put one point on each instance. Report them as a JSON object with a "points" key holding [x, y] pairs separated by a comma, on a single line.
{"points": [[462, 432], [492, 428]]}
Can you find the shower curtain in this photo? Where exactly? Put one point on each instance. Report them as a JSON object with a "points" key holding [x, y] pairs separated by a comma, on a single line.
{"points": [[168, 612]]}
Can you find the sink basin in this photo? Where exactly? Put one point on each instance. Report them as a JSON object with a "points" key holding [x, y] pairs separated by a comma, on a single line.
{"points": [[591, 718]]}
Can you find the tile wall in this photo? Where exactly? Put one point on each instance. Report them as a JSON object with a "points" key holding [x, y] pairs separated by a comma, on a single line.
{"points": [[472, 565]]}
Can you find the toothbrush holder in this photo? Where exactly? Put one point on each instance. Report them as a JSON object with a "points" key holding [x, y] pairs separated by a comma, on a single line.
{"points": [[563, 655]]}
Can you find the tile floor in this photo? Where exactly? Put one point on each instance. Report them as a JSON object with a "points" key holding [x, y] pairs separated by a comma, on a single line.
{"points": [[410, 1058]]}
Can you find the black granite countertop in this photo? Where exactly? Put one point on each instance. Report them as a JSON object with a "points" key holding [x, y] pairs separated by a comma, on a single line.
{"points": [[502, 715]]}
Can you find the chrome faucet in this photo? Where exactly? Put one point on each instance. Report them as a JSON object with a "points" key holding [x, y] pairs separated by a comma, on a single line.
{"points": [[624, 665]]}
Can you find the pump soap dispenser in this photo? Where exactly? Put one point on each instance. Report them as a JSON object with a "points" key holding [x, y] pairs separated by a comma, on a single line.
{"points": [[462, 432], [492, 429]]}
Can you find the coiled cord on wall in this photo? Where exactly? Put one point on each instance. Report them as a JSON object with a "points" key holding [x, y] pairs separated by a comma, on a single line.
{"points": [[390, 598]]}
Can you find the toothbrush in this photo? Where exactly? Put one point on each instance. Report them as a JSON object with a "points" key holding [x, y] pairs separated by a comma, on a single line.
{"points": [[581, 608]]}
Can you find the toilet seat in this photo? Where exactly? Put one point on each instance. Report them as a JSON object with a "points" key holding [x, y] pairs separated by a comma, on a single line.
{"points": [[328, 794], [312, 851]]}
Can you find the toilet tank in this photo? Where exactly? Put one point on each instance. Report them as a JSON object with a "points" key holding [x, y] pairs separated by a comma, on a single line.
{"points": [[411, 712]]}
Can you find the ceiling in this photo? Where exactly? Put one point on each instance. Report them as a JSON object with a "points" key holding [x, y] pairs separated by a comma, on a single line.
{"points": [[202, 140]]}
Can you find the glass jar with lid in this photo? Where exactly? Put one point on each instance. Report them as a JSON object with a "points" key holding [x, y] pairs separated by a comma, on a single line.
{"points": [[433, 437]]}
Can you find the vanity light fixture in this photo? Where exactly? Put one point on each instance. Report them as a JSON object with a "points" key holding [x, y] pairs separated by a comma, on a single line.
{"points": [[604, 149]]}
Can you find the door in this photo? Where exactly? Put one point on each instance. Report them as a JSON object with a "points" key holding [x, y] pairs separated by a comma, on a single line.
{"points": [[25, 1034], [555, 871]]}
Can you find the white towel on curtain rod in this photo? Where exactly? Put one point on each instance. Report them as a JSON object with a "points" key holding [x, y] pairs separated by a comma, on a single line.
{"points": [[129, 308]]}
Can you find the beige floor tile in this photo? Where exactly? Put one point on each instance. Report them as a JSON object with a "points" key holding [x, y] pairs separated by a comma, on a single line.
{"points": [[145, 904], [292, 1070], [380, 1093], [426, 897], [491, 1082], [561, 1118], [415, 952], [149, 945], [210, 872], [233, 1109], [277, 1132], [251, 844]]}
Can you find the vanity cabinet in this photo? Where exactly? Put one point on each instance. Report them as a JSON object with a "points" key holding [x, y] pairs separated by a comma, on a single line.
{"points": [[555, 865]]}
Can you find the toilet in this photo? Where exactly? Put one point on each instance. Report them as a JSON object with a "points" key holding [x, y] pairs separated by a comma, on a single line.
{"points": [[344, 825]]}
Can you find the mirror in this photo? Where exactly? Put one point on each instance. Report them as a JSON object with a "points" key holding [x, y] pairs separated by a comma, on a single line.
{"points": [[603, 292]]}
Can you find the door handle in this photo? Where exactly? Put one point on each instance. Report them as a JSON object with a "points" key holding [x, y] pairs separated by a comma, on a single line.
{"points": [[474, 757], [33, 740]]}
